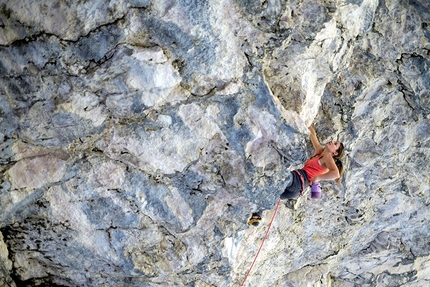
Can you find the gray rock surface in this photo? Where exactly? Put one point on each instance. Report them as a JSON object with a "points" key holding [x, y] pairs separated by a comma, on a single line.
{"points": [[137, 136]]}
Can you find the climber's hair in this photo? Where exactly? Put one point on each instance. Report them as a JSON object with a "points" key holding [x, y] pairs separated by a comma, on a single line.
{"points": [[339, 166], [340, 153]]}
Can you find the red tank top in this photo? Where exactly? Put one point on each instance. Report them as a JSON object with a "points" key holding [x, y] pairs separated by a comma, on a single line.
{"points": [[313, 168]]}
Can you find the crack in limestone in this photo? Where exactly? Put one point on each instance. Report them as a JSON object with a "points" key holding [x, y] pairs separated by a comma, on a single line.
{"points": [[41, 34]]}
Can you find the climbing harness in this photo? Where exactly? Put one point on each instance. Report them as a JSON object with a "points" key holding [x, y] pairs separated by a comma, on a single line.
{"points": [[302, 179], [267, 232]]}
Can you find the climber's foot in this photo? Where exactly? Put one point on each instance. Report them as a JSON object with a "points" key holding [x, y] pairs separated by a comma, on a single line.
{"points": [[255, 219], [289, 203]]}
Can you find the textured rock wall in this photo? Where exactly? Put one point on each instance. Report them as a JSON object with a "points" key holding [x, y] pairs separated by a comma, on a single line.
{"points": [[137, 136]]}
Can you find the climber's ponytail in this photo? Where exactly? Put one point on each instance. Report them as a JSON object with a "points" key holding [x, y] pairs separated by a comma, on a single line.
{"points": [[339, 165]]}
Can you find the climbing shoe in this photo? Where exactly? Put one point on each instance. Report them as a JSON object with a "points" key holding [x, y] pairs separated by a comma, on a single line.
{"points": [[289, 203], [254, 220]]}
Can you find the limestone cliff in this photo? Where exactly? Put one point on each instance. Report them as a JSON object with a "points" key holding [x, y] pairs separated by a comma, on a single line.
{"points": [[137, 136]]}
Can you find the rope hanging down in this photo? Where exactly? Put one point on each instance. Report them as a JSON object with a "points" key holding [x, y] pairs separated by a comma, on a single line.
{"points": [[267, 232]]}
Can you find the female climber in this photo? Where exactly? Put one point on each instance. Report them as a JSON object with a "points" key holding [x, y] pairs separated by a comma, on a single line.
{"points": [[324, 165]]}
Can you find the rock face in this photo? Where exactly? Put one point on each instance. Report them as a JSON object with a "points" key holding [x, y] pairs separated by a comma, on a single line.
{"points": [[137, 136]]}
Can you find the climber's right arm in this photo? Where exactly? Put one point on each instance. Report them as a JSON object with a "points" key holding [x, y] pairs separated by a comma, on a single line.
{"points": [[316, 144]]}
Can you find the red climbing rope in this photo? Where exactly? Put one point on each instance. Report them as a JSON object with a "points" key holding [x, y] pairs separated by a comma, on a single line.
{"points": [[268, 228]]}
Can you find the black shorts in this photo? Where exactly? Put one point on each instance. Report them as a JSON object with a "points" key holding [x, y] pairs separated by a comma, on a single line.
{"points": [[296, 186]]}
